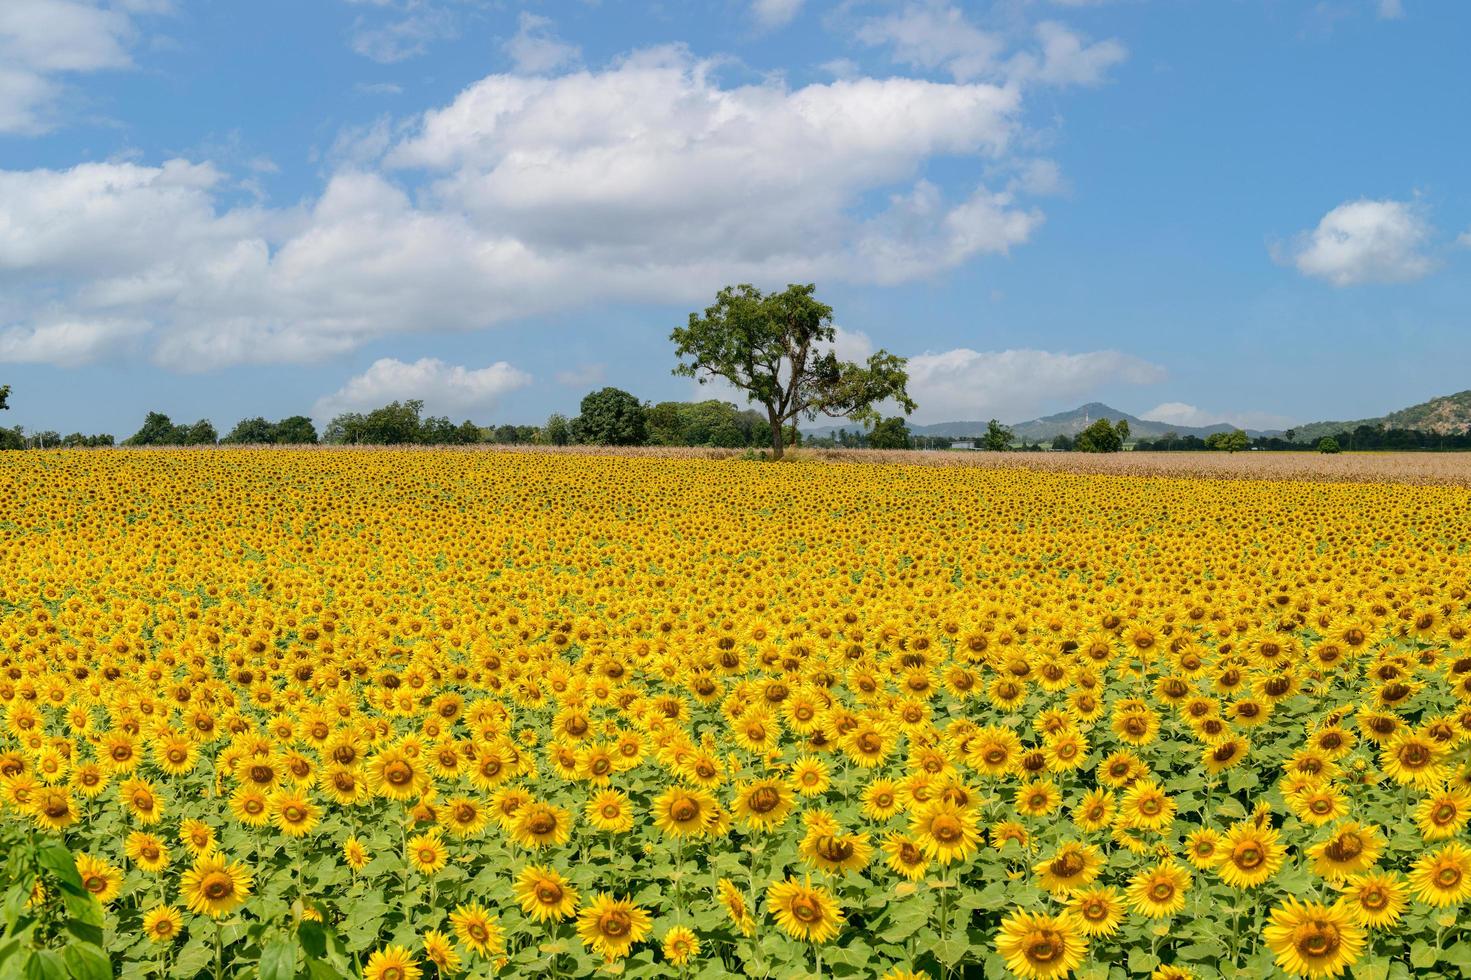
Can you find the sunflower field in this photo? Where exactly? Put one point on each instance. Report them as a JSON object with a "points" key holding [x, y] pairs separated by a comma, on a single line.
{"points": [[403, 715]]}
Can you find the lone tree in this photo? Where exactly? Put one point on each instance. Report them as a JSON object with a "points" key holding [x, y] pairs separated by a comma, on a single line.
{"points": [[772, 348], [998, 437], [611, 417]]}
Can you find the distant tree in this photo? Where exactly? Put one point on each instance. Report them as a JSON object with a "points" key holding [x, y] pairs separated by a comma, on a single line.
{"points": [[468, 433], [776, 349], [158, 430], [1328, 444], [1062, 442], [201, 433], [889, 433], [48, 439], [611, 417], [251, 432], [1290, 435], [4, 396], [998, 437], [295, 430], [437, 430], [558, 432], [1232, 442], [1103, 437], [348, 428], [12, 438], [507, 435]]}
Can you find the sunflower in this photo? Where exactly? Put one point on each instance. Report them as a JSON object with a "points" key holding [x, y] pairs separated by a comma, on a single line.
{"points": [[1318, 805], [1098, 911], [1250, 855], [609, 811], [251, 807], [396, 774], [1443, 877], [162, 924], [881, 799], [762, 805], [1159, 892], [426, 853], [98, 877], [946, 830], [1375, 900], [544, 894], [906, 856], [1074, 866], [611, 927], [803, 910], [540, 825], [146, 851], [463, 816], [1353, 847], [214, 887], [392, 963], [52, 808], [440, 950], [809, 776], [355, 854], [1203, 848], [1313, 940], [293, 813], [680, 945], [1041, 946], [1145, 806], [734, 902], [478, 929], [1095, 811], [1037, 798], [1444, 814], [1414, 760]]}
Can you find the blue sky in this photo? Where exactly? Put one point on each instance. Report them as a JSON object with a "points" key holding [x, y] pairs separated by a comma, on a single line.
{"points": [[1197, 211]]}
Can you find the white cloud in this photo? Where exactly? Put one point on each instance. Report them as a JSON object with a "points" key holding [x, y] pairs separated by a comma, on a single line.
{"points": [[1464, 239], [1365, 241], [582, 376], [646, 181], [536, 50], [406, 37], [42, 40], [775, 13], [1067, 58], [970, 385], [932, 35], [67, 343], [1391, 9], [1179, 413], [445, 389]]}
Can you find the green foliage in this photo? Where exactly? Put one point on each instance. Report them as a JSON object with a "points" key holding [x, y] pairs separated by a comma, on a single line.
{"points": [[557, 431], [707, 423], [4, 396], [611, 417], [61, 934], [998, 437], [1232, 442], [777, 349], [1328, 444], [1102, 436], [889, 433], [158, 430], [296, 430]]}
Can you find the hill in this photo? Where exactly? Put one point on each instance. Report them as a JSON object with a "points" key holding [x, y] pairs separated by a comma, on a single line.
{"points": [[1445, 415], [1070, 423]]}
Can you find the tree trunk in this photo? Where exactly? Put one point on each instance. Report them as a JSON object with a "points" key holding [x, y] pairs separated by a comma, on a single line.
{"points": [[778, 437]]}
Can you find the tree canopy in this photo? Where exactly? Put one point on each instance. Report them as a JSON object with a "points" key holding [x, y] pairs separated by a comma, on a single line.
{"points": [[611, 417], [777, 348]]}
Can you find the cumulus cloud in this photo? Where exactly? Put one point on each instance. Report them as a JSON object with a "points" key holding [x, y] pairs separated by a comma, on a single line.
{"points": [[775, 13], [1391, 9], [445, 389], [43, 41], [1365, 241], [1179, 413], [536, 49], [968, 385], [1067, 58], [648, 180], [67, 343]]}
